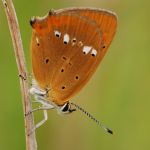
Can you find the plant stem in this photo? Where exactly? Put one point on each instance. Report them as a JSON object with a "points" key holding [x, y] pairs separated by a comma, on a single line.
{"points": [[31, 143]]}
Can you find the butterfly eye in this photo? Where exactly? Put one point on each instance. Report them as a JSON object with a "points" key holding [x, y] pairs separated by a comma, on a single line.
{"points": [[65, 107], [66, 39], [94, 52], [57, 33]]}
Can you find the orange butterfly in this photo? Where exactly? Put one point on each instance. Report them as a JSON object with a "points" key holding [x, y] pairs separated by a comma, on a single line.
{"points": [[67, 47]]}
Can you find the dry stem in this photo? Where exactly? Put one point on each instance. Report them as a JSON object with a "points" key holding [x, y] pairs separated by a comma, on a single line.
{"points": [[19, 55]]}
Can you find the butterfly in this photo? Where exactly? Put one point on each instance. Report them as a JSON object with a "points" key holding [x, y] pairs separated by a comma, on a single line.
{"points": [[67, 46]]}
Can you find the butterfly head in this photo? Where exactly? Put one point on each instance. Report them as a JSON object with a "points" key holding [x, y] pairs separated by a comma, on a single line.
{"points": [[66, 108]]}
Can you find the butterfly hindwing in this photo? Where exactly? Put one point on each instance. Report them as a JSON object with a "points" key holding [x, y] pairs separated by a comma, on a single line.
{"points": [[67, 47]]}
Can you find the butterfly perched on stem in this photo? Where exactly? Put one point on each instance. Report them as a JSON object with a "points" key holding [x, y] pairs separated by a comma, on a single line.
{"points": [[66, 48]]}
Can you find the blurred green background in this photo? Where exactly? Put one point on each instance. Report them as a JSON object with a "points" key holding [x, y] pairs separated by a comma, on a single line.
{"points": [[118, 94]]}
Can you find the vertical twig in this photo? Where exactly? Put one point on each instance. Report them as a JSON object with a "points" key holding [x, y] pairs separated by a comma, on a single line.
{"points": [[19, 54]]}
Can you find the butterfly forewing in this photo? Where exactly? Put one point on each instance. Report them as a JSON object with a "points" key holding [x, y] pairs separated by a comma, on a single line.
{"points": [[106, 20], [67, 47]]}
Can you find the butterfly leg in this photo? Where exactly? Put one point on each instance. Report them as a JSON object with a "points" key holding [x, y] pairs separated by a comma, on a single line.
{"points": [[37, 109], [40, 123], [40, 97]]}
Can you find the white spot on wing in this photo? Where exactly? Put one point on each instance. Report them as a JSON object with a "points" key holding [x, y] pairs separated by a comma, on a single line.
{"points": [[86, 49], [80, 44], [94, 52], [57, 33], [37, 41], [66, 38], [73, 41]]}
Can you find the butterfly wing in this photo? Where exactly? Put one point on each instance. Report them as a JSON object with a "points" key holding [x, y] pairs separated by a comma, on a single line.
{"points": [[106, 20], [67, 47]]}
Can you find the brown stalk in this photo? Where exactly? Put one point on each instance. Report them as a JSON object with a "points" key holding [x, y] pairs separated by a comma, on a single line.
{"points": [[31, 143]]}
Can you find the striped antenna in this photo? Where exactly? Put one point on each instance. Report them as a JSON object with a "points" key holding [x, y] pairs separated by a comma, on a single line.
{"points": [[92, 118]]}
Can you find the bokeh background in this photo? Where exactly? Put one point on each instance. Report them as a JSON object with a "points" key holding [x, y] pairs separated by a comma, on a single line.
{"points": [[118, 94]]}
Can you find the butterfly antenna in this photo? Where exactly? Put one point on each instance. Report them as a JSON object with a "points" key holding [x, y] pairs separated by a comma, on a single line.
{"points": [[92, 118]]}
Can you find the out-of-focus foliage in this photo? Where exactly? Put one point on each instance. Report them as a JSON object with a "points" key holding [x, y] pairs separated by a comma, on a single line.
{"points": [[118, 94]]}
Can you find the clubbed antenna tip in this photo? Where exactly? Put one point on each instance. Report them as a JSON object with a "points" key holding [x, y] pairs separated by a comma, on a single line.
{"points": [[92, 118], [109, 131]]}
